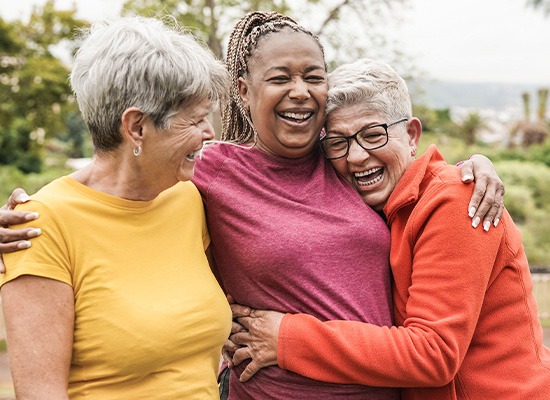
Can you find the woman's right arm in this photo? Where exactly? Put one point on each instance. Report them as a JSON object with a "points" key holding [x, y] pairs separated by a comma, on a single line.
{"points": [[15, 239], [39, 316]]}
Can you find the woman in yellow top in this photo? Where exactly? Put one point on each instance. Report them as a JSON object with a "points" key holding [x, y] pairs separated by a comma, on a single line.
{"points": [[107, 304]]}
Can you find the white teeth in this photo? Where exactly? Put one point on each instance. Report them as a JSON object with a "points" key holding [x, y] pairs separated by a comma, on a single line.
{"points": [[366, 173], [371, 182], [192, 155], [298, 116]]}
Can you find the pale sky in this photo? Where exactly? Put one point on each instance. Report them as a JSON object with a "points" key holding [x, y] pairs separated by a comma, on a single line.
{"points": [[479, 40], [465, 41]]}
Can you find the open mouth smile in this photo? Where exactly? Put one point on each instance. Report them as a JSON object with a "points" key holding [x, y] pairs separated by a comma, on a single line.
{"points": [[191, 156], [296, 116], [369, 177]]}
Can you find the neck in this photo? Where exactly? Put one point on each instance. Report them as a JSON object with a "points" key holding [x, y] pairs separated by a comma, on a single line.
{"points": [[293, 153], [118, 175]]}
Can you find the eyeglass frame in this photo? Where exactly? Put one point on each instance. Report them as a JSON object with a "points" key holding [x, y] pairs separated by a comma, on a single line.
{"points": [[354, 136]]}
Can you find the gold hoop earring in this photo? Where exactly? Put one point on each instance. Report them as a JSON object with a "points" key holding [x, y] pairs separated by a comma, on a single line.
{"points": [[137, 150]]}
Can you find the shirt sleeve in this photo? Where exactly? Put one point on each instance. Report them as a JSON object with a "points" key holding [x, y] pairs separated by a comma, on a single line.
{"points": [[452, 265], [48, 255]]}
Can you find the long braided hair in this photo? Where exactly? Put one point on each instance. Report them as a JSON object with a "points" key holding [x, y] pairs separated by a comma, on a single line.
{"points": [[236, 122]]}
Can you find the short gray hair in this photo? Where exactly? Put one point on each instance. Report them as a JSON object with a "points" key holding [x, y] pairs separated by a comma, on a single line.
{"points": [[141, 62], [369, 82]]}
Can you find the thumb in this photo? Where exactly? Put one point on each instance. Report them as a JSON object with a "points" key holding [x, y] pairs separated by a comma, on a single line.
{"points": [[466, 171]]}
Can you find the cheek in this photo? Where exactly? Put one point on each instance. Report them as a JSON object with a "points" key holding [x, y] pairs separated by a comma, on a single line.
{"points": [[399, 165], [341, 167], [321, 96], [188, 139], [259, 115]]}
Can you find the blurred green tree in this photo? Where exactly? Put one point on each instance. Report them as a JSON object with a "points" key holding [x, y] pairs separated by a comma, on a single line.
{"points": [[35, 96], [348, 33], [527, 193], [469, 128]]}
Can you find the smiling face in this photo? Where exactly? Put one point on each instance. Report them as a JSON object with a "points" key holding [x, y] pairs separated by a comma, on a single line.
{"points": [[173, 150], [373, 173], [286, 92]]}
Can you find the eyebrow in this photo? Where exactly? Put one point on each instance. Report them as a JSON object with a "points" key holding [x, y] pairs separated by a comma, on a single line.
{"points": [[335, 133], [356, 132], [287, 70]]}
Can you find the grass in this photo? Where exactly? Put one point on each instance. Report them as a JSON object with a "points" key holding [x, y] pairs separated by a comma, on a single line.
{"points": [[541, 289]]}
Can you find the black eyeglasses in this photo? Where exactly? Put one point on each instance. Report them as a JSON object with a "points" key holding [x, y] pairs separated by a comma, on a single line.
{"points": [[369, 138]]}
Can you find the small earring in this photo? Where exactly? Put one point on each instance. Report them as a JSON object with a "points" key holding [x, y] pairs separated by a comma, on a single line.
{"points": [[137, 150], [413, 152]]}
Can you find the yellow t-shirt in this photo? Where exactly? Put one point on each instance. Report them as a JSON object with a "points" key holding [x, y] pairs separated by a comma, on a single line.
{"points": [[150, 317]]}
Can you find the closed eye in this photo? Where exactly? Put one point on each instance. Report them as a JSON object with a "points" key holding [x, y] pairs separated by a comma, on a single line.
{"points": [[335, 142], [279, 79], [315, 79]]}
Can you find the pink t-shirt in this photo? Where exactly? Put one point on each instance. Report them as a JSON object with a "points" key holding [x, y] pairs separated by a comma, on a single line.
{"points": [[291, 235]]}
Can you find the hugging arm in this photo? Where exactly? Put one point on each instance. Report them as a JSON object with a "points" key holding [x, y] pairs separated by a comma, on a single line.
{"points": [[486, 204], [427, 350], [446, 283]]}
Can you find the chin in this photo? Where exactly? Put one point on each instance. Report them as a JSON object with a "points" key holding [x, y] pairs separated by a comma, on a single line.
{"points": [[372, 202], [185, 176]]}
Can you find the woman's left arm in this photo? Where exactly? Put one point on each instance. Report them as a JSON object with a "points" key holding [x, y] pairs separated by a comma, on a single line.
{"points": [[487, 202], [39, 316]]}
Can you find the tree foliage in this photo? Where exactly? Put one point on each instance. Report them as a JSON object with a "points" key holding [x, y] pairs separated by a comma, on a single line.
{"points": [[469, 128], [527, 193], [346, 30], [209, 20], [35, 95]]}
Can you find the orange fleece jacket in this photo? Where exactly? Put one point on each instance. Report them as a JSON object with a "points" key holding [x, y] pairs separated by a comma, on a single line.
{"points": [[467, 324]]}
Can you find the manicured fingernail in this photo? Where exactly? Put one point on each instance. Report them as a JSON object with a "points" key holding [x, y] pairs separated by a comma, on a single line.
{"points": [[31, 216], [486, 226], [471, 212], [467, 178], [23, 198], [495, 222], [24, 244], [34, 232], [475, 222]]}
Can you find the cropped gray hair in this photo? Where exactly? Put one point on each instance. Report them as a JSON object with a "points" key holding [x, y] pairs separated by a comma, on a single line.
{"points": [[369, 82], [141, 62]]}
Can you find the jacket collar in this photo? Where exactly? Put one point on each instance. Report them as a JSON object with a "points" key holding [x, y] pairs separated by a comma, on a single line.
{"points": [[408, 189]]}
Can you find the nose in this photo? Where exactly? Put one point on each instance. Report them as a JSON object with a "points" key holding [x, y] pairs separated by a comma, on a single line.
{"points": [[208, 131], [299, 90], [356, 154]]}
